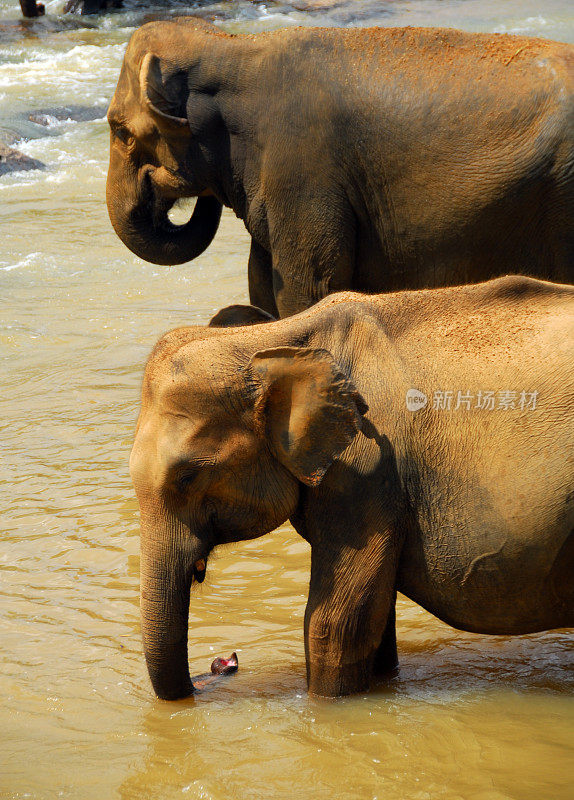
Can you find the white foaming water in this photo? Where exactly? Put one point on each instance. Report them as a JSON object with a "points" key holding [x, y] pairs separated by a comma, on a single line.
{"points": [[29, 260], [79, 75]]}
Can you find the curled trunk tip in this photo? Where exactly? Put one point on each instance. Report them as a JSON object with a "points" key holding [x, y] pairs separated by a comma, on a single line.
{"points": [[147, 231]]}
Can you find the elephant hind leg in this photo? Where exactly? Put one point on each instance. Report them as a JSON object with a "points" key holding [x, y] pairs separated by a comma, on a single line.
{"points": [[386, 661]]}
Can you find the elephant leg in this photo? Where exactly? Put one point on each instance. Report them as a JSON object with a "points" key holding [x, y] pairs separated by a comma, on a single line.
{"points": [[386, 657], [313, 246], [260, 278], [351, 595], [30, 8]]}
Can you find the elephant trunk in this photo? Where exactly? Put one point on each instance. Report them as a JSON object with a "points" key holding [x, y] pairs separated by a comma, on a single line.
{"points": [[165, 589], [143, 225]]}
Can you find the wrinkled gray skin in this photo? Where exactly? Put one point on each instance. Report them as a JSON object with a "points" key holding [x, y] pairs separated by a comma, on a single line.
{"points": [[468, 512], [367, 159]]}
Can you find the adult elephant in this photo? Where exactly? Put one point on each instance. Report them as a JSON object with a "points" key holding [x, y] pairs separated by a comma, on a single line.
{"points": [[419, 441], [373, 159]]}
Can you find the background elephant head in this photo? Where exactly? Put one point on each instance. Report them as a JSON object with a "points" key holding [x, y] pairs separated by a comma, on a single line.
{"points": [[152, 150], [220, 456]]}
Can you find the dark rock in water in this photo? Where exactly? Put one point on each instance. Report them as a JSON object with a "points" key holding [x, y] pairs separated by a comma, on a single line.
{"points": [[36, 124], [47, 116], [345, 12], [14, 161], [8, 137], [90, 6], [14, 30]]}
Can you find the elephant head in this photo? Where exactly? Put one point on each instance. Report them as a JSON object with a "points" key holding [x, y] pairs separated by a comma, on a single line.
{"points": [[156, 156], [226, 439]]}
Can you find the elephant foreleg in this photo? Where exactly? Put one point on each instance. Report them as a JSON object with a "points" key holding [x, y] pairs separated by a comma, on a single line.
{"points": [[260, 278], [350, 598], [313, 246]]}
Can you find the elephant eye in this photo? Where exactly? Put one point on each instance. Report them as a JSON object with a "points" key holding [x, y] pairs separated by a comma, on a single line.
{"points": [[185, 478], [124, 135]]}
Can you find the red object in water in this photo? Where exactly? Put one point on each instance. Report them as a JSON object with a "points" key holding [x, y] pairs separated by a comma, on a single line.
{"points": [[225, 666], [219, 669]]}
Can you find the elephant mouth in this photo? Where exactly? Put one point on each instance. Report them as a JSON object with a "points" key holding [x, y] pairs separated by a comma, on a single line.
{"points": [[198, 571]]}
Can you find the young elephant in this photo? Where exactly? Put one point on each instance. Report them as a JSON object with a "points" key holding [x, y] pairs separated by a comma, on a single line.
{"points": [[420, 442]]}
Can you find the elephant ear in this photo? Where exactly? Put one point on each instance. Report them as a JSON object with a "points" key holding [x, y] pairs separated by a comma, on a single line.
{"points": [[164, 90], [309, 410], [231, 316]]}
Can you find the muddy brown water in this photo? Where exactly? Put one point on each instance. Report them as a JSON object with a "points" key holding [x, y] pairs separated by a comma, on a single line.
{"points": [[469, 717]]}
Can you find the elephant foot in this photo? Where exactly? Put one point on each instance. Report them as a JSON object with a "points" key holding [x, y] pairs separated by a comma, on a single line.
{"points": [[219, 668], [328, 680]]}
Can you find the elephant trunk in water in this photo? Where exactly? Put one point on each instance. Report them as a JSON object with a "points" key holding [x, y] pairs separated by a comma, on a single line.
{"points": [[166, 577], [144, 227]]}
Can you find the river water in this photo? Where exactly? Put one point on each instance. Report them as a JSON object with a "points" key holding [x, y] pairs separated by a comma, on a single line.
{"points": [[469, 717]]}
